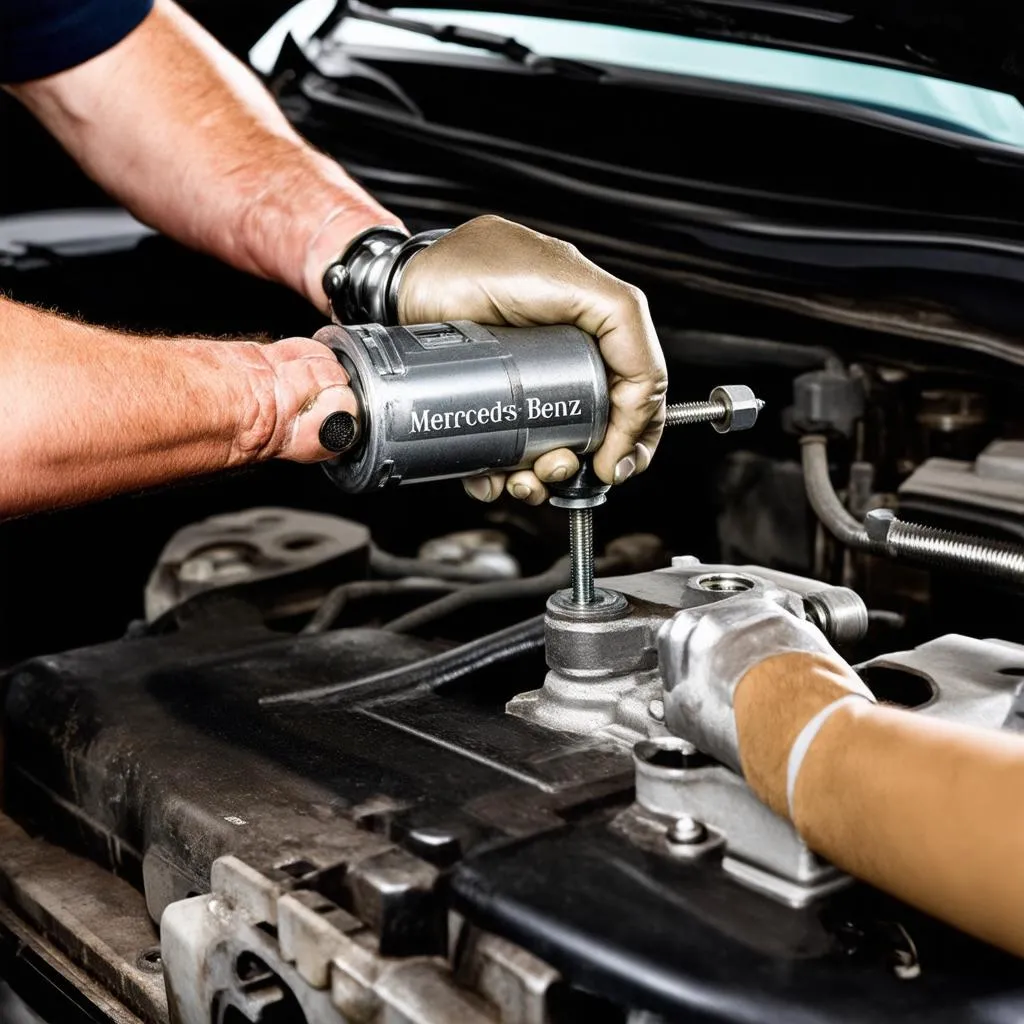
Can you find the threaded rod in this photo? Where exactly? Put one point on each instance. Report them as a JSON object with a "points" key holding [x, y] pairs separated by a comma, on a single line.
{"points": [[683, 414], [956, 551], [581, 550]]}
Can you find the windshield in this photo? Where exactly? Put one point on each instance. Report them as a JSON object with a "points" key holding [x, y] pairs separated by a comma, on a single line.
{"points": [[962, 108]]}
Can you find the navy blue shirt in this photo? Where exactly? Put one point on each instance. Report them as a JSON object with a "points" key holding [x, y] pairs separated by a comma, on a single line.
{"points": [[42, 37]]}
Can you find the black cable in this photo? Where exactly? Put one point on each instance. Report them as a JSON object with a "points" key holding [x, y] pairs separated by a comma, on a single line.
{"points": [[337, 599], [432, 672], [554, 578]]}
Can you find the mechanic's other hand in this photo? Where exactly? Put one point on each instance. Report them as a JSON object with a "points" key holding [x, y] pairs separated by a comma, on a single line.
{"points": [[309, 384], [705, 653], [496, 272]]}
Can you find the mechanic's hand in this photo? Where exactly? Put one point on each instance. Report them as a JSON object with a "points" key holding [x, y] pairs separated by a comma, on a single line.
{"points": [[496, 272], [706, 652], [308, 385]]}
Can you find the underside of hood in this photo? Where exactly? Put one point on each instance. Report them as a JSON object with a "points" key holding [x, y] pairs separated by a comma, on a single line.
{"points": [[978, 43]]}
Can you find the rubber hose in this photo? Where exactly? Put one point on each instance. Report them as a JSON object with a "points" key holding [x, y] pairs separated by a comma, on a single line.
{"points": [[431, 672], [334, 603], [824, 500], [554, 578]]}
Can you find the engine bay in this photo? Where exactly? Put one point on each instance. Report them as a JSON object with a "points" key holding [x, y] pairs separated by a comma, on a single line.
{"points": [[358, 755]]}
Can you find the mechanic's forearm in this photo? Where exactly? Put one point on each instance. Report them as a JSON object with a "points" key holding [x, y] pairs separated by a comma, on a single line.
{"points": [[929, 811], [88, 412], [187, 138]]}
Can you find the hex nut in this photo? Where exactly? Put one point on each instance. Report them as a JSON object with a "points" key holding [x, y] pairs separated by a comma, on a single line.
{"points": [[878, 522], [743, 406]]}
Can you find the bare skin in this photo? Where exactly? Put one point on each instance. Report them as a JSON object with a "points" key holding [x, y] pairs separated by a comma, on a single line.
{"points": [[188, 140], [90, 412], [192, 144], [926, 810]]}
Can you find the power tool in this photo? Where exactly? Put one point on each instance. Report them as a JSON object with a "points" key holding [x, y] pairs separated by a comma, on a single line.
{"points": [[459, 399]]}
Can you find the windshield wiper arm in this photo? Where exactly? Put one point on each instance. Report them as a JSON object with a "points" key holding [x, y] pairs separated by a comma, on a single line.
{"points": [[477, 39]]}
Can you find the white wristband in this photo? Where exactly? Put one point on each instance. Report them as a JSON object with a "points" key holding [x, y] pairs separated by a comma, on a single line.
{"points": [[806, 738]]}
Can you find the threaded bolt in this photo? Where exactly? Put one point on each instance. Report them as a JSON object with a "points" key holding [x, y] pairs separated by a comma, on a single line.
{"points": [[685, 414], [730, 407], [996, 558], [686, 831], [925, 543], [581, 551]]}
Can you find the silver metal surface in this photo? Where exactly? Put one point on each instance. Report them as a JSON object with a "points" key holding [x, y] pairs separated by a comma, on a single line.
{"points": [[955, 678], [823, 498], [457, 399], [602, 658], [508, 976], [991, 484], [363, 286], [997, 559], [684, 414], [322, 961], [840, 613], [704, 652], [258, 544], [963, 679], [882, 533], [686, 831], [729, 407], [705, 807], [1003, 461], [581, 552]]}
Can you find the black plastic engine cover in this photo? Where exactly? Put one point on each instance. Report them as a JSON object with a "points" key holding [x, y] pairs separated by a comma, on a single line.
{"points": [[155, 756]]}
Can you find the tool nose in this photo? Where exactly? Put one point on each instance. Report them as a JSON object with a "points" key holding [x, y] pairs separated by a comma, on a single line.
{"points": [[339, 432]]}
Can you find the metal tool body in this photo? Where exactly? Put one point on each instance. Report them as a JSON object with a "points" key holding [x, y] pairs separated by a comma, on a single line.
{"points": [[458, 399], [733, 407]]}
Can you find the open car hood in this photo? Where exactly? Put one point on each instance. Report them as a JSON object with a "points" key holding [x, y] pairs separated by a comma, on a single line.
{"points": [[978, 43]]}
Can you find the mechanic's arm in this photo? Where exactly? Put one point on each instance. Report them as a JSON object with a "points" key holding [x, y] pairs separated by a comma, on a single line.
{"points": [[86, 412], [929, 811], [187, 138]]}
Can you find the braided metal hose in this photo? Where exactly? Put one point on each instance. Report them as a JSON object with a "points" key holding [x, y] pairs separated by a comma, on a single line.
{"points": [[994, 558], [883, 533]]}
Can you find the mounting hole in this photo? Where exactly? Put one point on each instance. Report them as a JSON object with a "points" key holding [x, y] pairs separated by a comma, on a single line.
{"points": [[1016, 670], [249, 967], [150, 960], [898, 686], [297, 868], [302, 543], [724, 583], [670, 752]]}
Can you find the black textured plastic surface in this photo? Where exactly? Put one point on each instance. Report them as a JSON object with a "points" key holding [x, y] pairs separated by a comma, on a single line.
{"points": [[161, 745], [583, 484], [339, 432]]}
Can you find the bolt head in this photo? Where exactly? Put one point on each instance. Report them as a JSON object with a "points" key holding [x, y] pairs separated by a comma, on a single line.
{"points": [[743, 405], [686, 831], [878, 522]]}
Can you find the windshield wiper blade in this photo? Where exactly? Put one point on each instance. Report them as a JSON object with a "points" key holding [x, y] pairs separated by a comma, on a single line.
{"points": [[474, 38]]}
